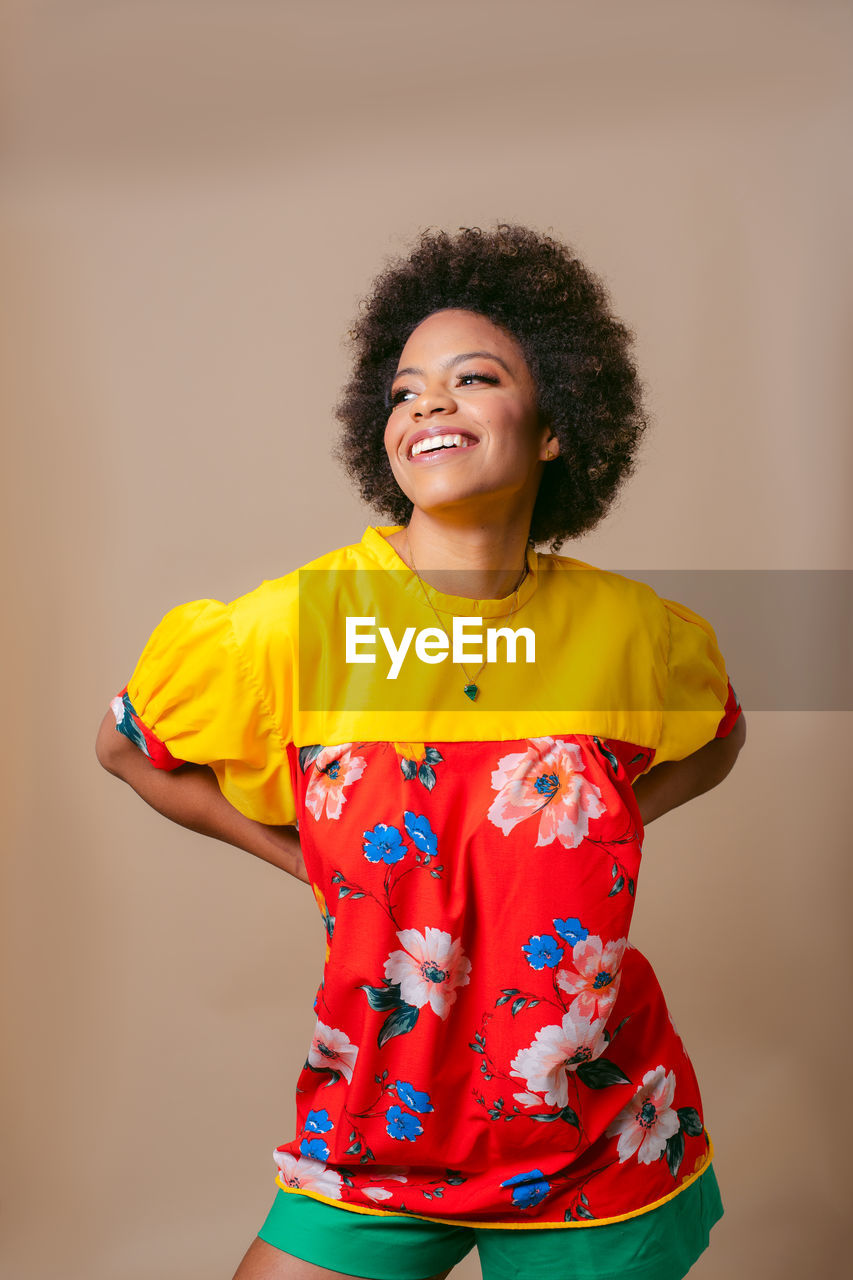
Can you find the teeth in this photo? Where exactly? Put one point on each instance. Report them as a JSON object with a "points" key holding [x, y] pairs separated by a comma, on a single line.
{"points": [[432, 443]]}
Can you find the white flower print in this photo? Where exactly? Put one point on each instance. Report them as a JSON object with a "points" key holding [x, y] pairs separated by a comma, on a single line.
{"points": [[556, 1051], [528, 1099], [546, 782], [334, 769], [429, 970], [331, 1049], [594, 977], [648, 1120], [382, 1193], [308, 1174]]}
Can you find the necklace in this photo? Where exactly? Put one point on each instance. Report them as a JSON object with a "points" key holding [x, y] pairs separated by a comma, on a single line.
{"points": [[471, 689]]}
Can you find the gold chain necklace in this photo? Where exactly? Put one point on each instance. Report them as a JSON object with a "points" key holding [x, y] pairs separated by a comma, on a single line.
{"points": [[471, 689]]}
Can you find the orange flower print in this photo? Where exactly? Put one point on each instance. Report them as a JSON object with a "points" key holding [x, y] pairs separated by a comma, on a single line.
{"points": [[334, 769], [593, 976], [328, 921], [546, 782]]}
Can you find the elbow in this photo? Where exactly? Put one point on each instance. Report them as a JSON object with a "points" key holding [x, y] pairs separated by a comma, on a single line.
{"points": [[108, 745], [738, 733], [731, 746]]}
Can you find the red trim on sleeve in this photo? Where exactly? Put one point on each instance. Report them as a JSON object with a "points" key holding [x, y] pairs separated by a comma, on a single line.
{"points": [[158, 753], [730, 715]]}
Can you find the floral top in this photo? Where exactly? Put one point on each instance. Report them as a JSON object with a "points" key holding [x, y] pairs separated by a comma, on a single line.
{"points": [[489, 1047]]}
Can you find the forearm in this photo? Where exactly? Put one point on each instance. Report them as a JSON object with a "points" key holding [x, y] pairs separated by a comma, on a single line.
{"points": [[675, 782], [190, 796]]}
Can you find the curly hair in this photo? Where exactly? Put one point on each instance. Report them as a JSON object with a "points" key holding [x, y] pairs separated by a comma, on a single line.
{"points": [[579, 354]]}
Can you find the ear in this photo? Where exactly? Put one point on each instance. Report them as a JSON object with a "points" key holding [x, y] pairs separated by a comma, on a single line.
{"points": [[550, 449]]}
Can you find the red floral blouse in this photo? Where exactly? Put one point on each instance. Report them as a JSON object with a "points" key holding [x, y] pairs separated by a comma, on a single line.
{"points": [[490, 1049]]}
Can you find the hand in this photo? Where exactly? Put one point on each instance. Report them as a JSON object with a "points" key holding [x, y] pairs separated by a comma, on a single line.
{"points": [[674, 782], [191, 797], [290, 859]]}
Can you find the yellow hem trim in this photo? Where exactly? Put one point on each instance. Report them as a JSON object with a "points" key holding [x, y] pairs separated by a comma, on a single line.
{"points": [[504, 1226]]}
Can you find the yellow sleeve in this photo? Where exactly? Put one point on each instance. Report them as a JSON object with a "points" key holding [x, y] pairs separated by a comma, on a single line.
{"points": [[696, 693], [196, 691]]}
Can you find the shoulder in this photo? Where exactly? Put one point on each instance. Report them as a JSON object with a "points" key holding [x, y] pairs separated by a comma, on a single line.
{"points": [[271, 610], [612, 595], [628, 601]]}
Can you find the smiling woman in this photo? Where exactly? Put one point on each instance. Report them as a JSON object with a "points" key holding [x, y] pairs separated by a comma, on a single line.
{"points": [[548, 318], [462, 376], [493, 1064]]}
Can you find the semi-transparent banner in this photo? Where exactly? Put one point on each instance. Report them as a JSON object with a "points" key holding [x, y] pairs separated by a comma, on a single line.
{"points": [[376, 640]]}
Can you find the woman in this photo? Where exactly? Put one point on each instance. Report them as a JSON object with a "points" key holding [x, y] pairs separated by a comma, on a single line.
{"points": [[471, 737]]}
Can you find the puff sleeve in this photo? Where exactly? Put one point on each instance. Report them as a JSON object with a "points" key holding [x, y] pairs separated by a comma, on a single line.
{"points": [[699, 703], [195, 697]]}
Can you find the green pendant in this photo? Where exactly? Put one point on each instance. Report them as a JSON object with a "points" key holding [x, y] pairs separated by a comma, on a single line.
{"points": [[471, 692]]}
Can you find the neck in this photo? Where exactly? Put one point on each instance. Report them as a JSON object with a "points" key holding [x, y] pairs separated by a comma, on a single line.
{"points": [[481, 562]]}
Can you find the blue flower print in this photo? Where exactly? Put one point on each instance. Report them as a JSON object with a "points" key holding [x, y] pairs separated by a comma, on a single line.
{"points": [[315, 1148], [543, 951], [571, 930], [318, 1122], [414, 1100], [421, 833], [384, 844], [528, 1188], [401, 1125]]}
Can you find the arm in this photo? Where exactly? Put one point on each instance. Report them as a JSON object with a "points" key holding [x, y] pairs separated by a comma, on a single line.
{"points": [[673, 783], [191, 797]]}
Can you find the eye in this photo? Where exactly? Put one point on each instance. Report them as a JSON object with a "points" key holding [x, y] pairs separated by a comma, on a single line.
{"points": [[400, 395]]}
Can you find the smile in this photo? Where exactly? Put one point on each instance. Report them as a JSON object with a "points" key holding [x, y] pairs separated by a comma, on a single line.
{"points": [[438, 444]]}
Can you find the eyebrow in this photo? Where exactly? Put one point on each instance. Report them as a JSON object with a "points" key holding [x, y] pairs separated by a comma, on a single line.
{"points": [[454, 360]]}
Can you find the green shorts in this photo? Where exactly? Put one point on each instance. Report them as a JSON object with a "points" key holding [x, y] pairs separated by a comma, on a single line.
{"points": [[662, 1244]]}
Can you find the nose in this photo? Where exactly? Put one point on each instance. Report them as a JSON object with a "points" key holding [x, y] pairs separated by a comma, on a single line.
{"points": [[430, 401]]}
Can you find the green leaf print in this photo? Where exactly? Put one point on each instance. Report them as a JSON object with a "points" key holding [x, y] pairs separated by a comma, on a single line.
{"points": [[426, 775], [690, 1122], [601, 1073], [131, 730], [398, 1023], [675, 1152], [307, 755], [383, 998]]}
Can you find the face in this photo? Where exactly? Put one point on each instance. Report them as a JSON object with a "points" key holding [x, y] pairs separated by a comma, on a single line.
{"points": [[464, 426]]}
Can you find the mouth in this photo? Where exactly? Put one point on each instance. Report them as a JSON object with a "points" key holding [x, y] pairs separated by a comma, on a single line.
{"points": [[439, 445]]}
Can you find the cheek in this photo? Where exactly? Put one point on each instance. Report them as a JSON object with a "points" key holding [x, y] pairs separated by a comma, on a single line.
{"points": [[390, 440], [393, 441]]}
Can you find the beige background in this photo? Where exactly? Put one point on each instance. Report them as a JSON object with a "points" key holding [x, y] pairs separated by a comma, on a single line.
{"points": [[193, 198]]}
